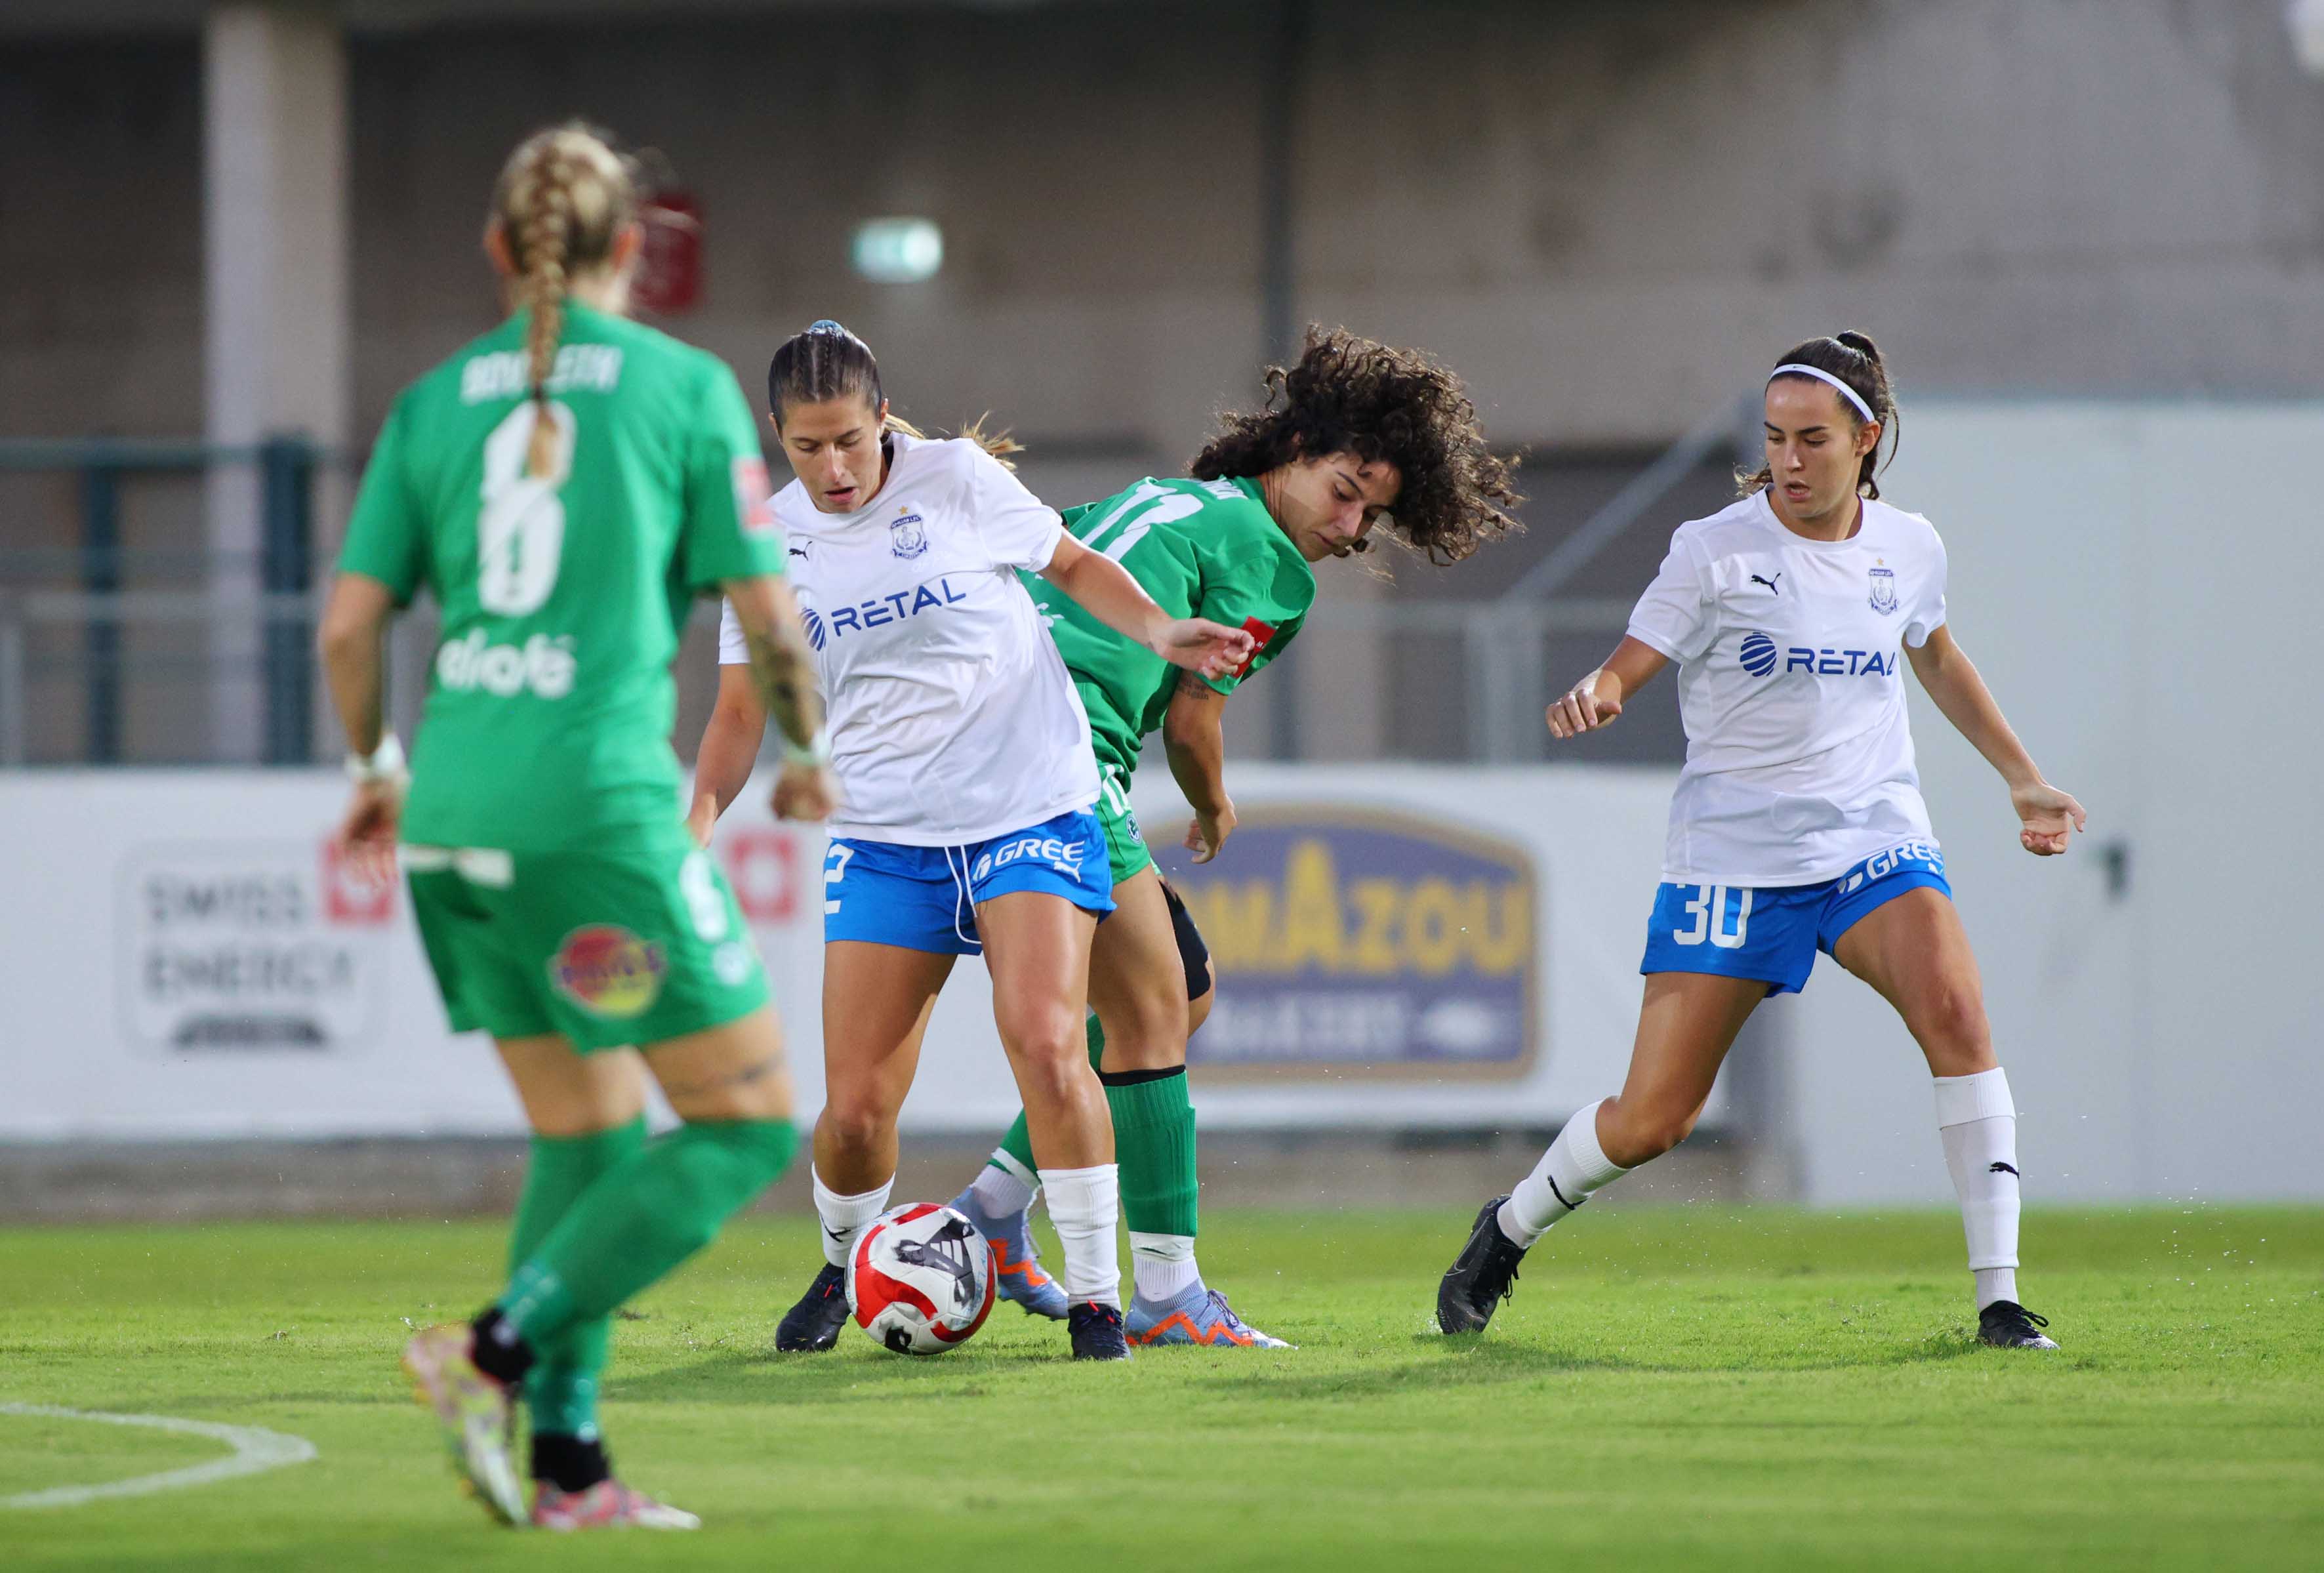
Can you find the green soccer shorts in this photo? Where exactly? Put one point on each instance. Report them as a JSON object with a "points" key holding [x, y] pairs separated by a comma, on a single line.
{"points": [[1125, 843], [631, 941]]}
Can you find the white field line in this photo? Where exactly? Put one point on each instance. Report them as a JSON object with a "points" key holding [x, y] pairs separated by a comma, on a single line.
{"points": [[255, 1451]]}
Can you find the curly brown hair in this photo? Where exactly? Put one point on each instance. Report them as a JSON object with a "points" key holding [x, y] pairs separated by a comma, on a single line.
{"points": [[1351, 394]]}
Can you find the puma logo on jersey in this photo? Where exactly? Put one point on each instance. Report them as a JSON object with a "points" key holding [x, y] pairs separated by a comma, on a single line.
{"points": [[1770, 584], [2003, 1169]]}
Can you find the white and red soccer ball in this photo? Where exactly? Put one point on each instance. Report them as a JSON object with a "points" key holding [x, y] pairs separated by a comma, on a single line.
{"points": [[920, 1279]]}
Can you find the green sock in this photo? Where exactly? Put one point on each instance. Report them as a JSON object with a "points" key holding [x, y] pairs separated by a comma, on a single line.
{"points": [[561, 1389], [639, 1221], [1019, 1142], [1154, 1143]]}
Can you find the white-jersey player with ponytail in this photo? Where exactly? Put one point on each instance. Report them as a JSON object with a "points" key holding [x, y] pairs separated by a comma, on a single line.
{"points": [[1798, 825]]}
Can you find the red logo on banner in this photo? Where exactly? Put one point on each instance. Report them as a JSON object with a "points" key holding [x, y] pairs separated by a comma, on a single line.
{"points": [[350, 895], [763, 866]]}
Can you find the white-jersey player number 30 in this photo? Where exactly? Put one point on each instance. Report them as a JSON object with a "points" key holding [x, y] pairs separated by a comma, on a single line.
{"points": [[520, 530], [1707, 908]]}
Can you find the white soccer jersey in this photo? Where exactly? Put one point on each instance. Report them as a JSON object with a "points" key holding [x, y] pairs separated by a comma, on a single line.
{"points": [[1799, 759], [953, 719]]}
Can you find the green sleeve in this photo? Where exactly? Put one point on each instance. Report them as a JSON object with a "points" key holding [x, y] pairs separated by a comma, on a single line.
{"points": [[387, 537], [728, 531], [1264, 588]]}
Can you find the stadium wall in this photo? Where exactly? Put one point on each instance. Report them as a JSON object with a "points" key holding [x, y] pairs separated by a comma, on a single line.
{"points": [[1400, 949], [2135, 582]]}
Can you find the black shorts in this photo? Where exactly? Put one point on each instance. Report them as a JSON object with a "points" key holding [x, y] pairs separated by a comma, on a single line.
{"points": [[1193, 954]]}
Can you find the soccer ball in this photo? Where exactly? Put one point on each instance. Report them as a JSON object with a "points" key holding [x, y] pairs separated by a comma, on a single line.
{"points": [[920, 1279]]}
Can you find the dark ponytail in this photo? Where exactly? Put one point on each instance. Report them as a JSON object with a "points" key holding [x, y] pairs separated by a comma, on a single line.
{"points": [[1855, 360], [827, 362]]}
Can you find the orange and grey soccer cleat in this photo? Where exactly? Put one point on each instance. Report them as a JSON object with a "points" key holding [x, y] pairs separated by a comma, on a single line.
{"points": [[607, 1506], [477, 1417], [1199, 1316]]}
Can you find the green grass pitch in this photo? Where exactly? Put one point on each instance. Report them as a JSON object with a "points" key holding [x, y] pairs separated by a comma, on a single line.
{"points": [[1691, 1386]]}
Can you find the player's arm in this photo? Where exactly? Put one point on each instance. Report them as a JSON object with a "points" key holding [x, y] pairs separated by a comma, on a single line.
{"points": [[1105, 588], [781, 671], [1196, 746], [349, 639], [1598, 698], [1951, 679], [730, 747]]}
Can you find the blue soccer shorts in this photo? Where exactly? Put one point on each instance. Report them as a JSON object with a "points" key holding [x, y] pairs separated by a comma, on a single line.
{"points": [[1773, 932], [924, 899]]}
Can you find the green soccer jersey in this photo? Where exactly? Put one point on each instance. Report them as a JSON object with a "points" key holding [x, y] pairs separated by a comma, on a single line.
{"points": [[1201, 548], [563, 596]]}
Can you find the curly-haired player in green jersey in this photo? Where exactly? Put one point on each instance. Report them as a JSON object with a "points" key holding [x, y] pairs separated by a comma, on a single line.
{"points": [[1356, 436], [563, 487]]}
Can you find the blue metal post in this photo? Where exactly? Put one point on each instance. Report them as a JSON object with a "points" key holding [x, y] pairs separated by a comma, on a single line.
{"points": [[100, 573], [286, 489]]}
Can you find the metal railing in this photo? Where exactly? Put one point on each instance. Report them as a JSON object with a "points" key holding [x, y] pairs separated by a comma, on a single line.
{"points": [[98, 585], [78, 633]]}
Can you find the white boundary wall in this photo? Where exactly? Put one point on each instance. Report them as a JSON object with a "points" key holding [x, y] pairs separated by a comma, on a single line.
{"points": [[2138, 584], [193, 966]]}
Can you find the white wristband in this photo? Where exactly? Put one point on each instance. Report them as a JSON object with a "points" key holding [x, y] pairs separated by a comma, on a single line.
{"points": [[815, 754], [384, 763]]}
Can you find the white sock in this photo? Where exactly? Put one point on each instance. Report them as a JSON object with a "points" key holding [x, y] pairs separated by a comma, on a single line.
{"points": [[1978, 1124], [1084, 1208], [1162, 1266], [843, 1217], [1574, 1167], [1004, 1185]]}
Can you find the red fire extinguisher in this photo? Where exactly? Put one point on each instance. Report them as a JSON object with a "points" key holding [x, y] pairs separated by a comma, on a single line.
{"points": [[669, 279]]}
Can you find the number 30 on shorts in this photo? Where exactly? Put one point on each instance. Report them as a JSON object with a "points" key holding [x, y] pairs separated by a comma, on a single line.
{"points": [[1721, 914]]}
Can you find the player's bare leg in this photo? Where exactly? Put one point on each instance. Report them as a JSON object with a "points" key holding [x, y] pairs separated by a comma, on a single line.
{"points": [[876, 1004], [1914, 951], [1687, 1021], [1142, 1022], [1037, 946]]}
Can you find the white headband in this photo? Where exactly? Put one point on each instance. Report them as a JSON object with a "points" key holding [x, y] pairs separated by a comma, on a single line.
{"points": [[1847, 392]]}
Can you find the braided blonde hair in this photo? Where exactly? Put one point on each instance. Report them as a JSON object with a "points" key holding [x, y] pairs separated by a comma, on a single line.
{"points": [[562, 198]]}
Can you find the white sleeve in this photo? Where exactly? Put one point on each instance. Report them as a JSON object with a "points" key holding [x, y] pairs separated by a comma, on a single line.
{"points": [[1677, 615], [1019, 529], [731, 651], [1929, 608]]}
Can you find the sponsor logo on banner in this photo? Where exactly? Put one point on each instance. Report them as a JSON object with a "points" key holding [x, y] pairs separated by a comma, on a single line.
{"points": [[763, 866], [1367, 943], [250, 945], [609, 971]]}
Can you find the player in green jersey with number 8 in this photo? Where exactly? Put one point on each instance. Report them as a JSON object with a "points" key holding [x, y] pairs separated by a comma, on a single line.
{"points": [[565, 487], [1356, 436]]}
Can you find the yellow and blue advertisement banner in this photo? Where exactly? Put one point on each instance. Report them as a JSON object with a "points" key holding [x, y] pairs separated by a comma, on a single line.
{"points": [[1369, 941]]}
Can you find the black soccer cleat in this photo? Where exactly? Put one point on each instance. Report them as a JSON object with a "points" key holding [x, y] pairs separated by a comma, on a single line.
{"points": [[1097, 1332], [1484, 1274], [814, 1323], [2007, 1325]]}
